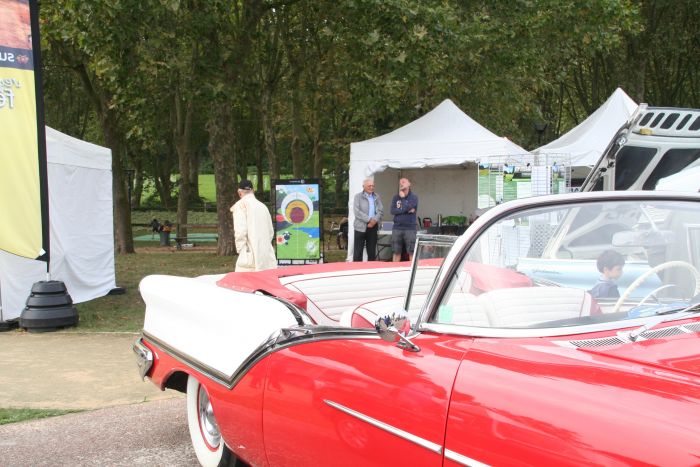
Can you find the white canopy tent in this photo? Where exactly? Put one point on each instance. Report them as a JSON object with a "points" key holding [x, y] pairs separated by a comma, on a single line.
{"points": [[686, 180], [585, 143], [439, 153], [80, 224]]}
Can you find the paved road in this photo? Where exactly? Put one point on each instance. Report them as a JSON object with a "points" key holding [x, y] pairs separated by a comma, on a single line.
{"points": [[151, 433]]}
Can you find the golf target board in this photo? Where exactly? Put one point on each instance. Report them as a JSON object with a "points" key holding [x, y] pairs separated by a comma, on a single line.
{"points": [[297, 208], [297, 221]]}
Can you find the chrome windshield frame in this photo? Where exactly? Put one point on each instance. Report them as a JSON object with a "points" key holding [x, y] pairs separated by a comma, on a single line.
{"points": [[500, 212], [425, 240]]}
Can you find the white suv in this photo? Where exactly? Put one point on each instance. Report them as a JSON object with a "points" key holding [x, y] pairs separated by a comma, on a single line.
{"points": [[656, 142]]}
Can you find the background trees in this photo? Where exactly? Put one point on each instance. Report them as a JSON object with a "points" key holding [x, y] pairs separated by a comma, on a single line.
{"points": [[282, 87]]}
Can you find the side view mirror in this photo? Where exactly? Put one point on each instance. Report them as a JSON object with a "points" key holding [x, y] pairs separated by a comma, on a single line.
{"points": [[643, 238], [395, 328]]}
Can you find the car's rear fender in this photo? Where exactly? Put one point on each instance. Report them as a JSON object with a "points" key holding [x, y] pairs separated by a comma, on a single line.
{"points": [[209, 326]]}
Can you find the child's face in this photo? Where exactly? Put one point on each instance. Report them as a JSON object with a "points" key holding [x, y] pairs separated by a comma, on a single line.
{"points": [[613, 273]]}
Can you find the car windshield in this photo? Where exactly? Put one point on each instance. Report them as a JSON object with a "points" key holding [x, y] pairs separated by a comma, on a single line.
{"points": [[578, 264]]}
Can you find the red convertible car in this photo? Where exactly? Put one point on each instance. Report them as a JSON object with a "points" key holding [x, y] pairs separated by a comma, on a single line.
{"points": [[462, 357]]}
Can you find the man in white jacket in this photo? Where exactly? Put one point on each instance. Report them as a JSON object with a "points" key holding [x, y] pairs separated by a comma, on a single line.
{"points": [[253, 231]]}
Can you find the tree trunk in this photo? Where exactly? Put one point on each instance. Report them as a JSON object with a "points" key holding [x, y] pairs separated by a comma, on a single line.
{"points": [[182, 132], [221, 148], [123, 238], [194, 177], [297, 167], [163, 186], [163, 170], [137, 192], [340, 202], [637, 63], [259, 166], [137, 186], [268, 132], [317, 156]]}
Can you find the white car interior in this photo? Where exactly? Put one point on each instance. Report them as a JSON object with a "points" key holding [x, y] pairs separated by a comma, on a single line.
{"points": [[331, 295]]}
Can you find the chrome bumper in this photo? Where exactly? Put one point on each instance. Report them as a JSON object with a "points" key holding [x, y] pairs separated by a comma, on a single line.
{"points": [[144, 357]]}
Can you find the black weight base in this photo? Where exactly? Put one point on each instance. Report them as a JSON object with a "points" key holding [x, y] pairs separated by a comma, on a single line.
{"points": [[49, 308], [117, 291], [9, 325]]}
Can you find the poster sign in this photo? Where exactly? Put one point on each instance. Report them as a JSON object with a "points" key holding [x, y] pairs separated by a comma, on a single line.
{"points": [[23, 198], [297, 221]]}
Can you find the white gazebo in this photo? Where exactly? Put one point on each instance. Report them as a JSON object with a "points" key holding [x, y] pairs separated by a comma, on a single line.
{"points": [[586, 142], [439, 152]]}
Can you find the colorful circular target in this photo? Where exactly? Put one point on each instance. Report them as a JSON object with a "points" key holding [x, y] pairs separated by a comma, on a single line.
{"points": [[297, 208]]}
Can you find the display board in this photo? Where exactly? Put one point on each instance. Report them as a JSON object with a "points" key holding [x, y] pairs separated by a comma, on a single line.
{"points": [[23, 191], [297, 221], [506, 179]]}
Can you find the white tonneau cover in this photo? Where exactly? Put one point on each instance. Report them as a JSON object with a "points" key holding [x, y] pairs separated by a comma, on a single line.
{"points": [[218, 327]]}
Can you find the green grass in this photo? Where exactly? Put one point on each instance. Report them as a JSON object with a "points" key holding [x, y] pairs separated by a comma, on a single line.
{"points": [[20, 415], [125, 312], [207, 188], [300, 245], [335, 256]]}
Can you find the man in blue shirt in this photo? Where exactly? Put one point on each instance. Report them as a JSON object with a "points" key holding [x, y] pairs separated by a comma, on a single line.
{"points": [[403, 207], [368, 211]]}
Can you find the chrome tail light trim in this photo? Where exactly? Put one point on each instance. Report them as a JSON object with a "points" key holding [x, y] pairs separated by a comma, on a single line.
{"points": [[144, 357]]}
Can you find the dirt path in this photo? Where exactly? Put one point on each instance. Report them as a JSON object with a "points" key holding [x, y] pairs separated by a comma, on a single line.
{"points": [[71, 371]]}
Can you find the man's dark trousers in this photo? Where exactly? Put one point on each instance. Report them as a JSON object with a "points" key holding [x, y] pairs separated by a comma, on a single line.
{"points": [[370, 239]]}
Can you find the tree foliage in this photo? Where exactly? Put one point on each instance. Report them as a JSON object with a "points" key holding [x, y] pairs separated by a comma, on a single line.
{"points": [[283, 87]]}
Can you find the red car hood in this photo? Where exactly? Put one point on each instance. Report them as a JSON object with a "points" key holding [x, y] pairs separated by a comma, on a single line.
{"points": [[674, 358], [679, 353]]}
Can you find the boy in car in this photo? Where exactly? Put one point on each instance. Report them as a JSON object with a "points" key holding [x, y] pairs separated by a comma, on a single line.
{"points": [[610, 264]]}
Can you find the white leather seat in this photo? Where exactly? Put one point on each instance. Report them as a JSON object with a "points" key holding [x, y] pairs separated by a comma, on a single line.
{"points": [[370, 311], [525, 306], [330, 297], [463, 309]]}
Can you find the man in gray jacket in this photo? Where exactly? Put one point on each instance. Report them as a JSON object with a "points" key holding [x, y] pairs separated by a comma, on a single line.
{"points": [[368, 211]]}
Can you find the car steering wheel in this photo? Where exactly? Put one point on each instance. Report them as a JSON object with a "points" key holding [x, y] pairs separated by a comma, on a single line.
{"points": [[658, 268]]}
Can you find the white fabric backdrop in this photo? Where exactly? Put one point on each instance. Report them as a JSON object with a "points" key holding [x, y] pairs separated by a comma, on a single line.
{"points": [[81, 227]]}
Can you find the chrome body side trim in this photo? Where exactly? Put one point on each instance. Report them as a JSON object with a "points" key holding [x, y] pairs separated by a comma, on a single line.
{"points": [[279, 340], [434, 447], [144, 357], [464, 460]]}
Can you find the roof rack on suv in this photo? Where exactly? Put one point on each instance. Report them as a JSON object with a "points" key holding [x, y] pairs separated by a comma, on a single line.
{"points": [[668, 121]]}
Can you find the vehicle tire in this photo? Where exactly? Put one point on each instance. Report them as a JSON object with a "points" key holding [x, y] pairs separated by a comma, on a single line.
{"points": [[208, 445]]}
